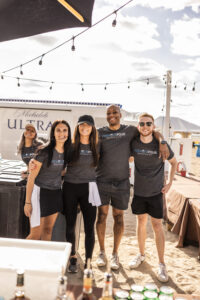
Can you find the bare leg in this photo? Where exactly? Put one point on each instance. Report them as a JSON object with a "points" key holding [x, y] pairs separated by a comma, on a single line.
{"points": [[141, 232], [101, 225], [47, 224], [159, 237], [118, 227], [35, 233]]}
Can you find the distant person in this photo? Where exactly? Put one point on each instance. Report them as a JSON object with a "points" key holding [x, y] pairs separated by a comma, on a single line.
{"points": [[79, 187], [43, 190], [28, 146], [113, 179], [149, 189]]}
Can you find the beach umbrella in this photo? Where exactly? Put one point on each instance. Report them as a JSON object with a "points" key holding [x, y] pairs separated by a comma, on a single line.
{"points": [[23, 18]]}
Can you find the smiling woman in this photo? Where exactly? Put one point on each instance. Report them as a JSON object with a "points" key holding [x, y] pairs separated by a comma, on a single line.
{"points": [[28, 145], [79, 181], [43, 193]]}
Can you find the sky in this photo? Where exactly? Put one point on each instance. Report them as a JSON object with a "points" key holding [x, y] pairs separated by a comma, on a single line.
{"points": [[150, 38]]}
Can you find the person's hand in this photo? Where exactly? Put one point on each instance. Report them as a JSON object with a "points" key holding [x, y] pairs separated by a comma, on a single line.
{"points": [[24, 174], [32, 165], [166, 188], [28, 209], [163, 151]]}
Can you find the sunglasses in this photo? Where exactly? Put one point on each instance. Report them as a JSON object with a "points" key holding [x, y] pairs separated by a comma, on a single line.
{"points": [[145, 123]]}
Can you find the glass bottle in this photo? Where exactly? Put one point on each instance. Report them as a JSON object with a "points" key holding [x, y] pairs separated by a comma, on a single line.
{"points": [[62, 288], [107, 293], [19, 290], [87, 293]]}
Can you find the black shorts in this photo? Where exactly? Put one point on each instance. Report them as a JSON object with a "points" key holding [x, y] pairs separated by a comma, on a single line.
{"points": [[50, 202], [115, 193], [148, 205]]}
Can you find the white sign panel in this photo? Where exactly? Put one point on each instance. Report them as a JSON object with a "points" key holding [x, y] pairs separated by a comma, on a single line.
{"points": [[14, 120]]}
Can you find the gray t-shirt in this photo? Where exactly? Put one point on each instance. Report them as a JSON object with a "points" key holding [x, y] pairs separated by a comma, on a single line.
{"points": [[50, 177], [114, 153], [81, 171], [29, 152], [149, 168]]}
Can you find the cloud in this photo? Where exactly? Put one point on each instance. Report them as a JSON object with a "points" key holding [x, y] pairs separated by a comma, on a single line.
{"points": [[44, 40], [169, 4], [186, 37]]}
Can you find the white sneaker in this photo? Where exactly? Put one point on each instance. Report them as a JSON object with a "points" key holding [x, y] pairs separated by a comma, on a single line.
{"points": [[101, 259], [114, 262], [137, 260], [162, 273]]}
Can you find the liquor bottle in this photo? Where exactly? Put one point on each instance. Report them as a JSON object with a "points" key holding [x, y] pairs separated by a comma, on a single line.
{"points": [[20, 291], [107, 293], [62, 288], [87, 293]]}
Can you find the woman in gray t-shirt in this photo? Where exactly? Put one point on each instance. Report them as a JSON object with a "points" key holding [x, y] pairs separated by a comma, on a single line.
{"points": [[28, 145], [80, 176], [43, 190]]}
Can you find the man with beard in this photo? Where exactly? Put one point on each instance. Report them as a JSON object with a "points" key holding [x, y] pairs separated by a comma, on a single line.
{"points": [[113, 179], [149, 189]]}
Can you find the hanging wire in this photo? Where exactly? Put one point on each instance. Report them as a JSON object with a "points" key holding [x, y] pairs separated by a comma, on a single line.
{"points": [[82, 89], [60, 45]]}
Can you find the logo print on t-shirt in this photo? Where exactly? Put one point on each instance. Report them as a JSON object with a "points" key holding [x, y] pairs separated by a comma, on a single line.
{"points": [[85, 152], [115, 135], [57, 162], [146, 152]]}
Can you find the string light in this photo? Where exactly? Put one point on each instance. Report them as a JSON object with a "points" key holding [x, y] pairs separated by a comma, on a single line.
{"points": [[114, 22], [51, 86], [18, 83], [40, 61], [63, 43], [147, 80], [73, 48], [21, 72]]}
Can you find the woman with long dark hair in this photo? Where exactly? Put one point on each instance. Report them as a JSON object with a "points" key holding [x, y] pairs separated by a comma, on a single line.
{"points": [[28, 145], [79, 186], [43, 191]]}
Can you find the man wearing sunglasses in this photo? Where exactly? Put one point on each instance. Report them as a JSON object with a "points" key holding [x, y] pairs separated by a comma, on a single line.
{"points": [[149, 189], [113, 179]]}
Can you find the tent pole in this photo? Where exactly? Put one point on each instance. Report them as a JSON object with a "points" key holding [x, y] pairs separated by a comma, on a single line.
{"points": [[168, 100]]}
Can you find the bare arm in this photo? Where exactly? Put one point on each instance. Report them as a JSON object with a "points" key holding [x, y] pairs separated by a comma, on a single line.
{"points": [[29, 187], [173, 163], [163, 148]]}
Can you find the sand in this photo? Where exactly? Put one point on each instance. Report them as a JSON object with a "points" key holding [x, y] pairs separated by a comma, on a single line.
{"points": [[183, 266], [182, 263]]}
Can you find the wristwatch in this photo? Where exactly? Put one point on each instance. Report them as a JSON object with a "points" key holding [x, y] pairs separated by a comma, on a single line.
{"points": [[163, 142]]}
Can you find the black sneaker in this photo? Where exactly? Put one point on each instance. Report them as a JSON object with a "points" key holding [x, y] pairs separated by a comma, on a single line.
{"points": [[73, 266]]}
